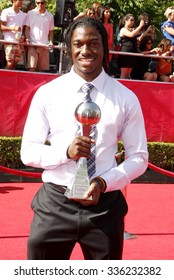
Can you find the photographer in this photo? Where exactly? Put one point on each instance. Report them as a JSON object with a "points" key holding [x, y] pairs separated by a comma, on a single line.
{"points": [[148, 29]]}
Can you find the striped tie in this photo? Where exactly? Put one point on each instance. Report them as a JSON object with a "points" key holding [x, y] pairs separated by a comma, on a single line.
{"points": [[87, 88]]}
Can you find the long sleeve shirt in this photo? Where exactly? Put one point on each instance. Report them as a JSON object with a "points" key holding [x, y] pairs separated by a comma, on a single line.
{"points": [[51, 117]]}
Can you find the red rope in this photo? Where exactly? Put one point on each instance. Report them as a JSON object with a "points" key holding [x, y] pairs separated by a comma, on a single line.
{"points": [[160, 170], [38, 175], [19, 172]]}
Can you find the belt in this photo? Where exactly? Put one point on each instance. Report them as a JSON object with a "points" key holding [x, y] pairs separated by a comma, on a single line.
{"points": [[60, 188]]}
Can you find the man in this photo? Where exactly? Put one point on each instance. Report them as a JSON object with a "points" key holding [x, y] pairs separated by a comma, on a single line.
{"points": [[97, 224], [39, 31], [12, 25]]}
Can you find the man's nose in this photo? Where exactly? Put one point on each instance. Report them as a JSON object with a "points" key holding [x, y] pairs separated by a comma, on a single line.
{"points": [[85, 49]]}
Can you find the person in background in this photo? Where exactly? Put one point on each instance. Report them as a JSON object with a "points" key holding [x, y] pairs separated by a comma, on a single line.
{"points": [[147, 29], [164, 65], [87, 13], [117, 30], [90, 12], [106, 20], [1, 37], [97, 8], [129, 41], [39, 31], [141, 72], [167, 27], [12, 24], [96, 221], [93, 11]]}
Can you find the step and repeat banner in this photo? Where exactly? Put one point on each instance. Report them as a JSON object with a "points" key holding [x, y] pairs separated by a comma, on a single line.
{"points": [[17, 89]]}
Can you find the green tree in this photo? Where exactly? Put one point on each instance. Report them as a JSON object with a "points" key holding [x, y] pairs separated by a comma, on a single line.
{"points": [[4, 4]]}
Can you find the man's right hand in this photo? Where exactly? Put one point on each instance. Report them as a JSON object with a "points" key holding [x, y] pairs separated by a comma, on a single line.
{"points": [[80, 147]]}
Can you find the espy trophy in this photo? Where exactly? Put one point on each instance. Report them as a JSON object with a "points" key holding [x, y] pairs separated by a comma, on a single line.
{"points": [[87, 114]]}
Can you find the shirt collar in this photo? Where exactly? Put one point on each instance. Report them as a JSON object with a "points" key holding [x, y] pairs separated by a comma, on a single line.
{"points": [[37, 12], [79, 81]]}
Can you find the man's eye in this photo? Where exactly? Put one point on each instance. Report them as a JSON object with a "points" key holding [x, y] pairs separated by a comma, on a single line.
{"points": [[77, 45], [93, 44]]}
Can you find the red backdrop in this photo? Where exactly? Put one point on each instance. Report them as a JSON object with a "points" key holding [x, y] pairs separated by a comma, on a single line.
{"points": [[18, 88]]}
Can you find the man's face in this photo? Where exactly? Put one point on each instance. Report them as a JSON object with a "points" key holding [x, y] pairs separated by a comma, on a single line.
{"points": [[87, 52], [18, 3], [40, 4]]}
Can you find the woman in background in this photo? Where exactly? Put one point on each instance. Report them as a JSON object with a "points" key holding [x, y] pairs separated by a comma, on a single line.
{"points": [[129, 40], [164, 65], [142, 72], [106, 20], [97, 7], [147, 29], [90, 12]]}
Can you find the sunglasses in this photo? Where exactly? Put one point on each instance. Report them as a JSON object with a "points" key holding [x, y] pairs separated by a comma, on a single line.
{"points": [[40, 3]]}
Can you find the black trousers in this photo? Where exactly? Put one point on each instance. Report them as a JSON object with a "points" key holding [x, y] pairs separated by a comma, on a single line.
{"points": [[59, 223]]}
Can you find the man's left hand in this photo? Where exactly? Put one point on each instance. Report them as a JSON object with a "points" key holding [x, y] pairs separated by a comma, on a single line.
{"points": [[93, 193]]}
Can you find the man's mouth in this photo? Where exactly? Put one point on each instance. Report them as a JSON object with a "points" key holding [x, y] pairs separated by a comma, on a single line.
{"points": [[86, 61]]}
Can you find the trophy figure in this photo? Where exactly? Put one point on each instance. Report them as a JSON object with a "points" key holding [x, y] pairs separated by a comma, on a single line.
{"points": [[87, 114]]}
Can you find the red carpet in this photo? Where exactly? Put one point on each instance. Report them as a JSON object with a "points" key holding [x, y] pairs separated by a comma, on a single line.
{"points": [[150, 216]]}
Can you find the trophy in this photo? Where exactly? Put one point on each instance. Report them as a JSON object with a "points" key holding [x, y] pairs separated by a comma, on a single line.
{"points": [[87, 114]]}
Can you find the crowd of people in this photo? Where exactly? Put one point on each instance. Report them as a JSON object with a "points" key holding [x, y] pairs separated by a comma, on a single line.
{"points": [[139, 38], [36, 27]]}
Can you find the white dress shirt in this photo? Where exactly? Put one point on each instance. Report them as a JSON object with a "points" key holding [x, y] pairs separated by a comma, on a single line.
{"points": [[51, 116]]}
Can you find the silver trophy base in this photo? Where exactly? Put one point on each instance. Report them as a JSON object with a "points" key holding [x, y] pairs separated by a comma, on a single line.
{"points": [[81, 182]]}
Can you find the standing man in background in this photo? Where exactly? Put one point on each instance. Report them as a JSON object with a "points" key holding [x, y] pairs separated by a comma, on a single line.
{"points": [[12, 24], [39, 31], [97, 224]]}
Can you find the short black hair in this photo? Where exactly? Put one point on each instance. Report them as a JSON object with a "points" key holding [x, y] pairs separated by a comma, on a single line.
{"points": [[89, 22]]}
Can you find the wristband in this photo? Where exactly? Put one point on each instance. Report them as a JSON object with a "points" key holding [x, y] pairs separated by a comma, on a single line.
{"points": [[101, 182]]}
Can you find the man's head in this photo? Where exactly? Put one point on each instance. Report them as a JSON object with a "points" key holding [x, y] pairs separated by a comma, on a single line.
{"points": [[40, 5], [17, 3], [87, 46]]}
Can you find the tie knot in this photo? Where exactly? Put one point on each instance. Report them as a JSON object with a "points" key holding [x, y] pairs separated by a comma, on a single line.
{"points": [[87, 88]]}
